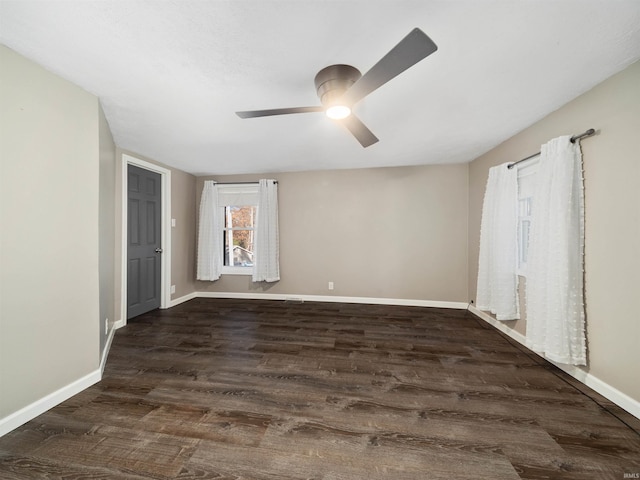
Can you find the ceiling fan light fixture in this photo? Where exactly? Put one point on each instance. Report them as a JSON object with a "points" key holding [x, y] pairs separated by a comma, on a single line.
{"points": [[338, 112], [340, 87]]}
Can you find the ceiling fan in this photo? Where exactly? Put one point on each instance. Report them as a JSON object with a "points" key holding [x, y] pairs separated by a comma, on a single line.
{"points": [[340, 87]]}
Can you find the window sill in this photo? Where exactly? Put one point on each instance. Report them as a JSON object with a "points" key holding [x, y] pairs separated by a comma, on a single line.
{"points": [[237, 271]]}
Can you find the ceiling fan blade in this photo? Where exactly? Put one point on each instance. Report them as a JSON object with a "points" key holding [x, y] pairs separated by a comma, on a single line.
{"points": [[411, 49], [359, 130], [278, 111]]}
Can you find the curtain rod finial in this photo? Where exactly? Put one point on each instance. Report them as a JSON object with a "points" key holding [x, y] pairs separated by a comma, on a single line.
{"points": [[588, 133]]}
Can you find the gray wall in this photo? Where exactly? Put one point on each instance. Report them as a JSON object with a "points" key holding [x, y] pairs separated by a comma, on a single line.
{"points": [[49, 191], [612, 218], [107, 234], [183, 235], [380, 232]]}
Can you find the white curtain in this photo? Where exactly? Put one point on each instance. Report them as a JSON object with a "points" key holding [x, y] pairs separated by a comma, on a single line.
{"points": [[555, 274], [266, 265], [497, 289], [209, 261]]}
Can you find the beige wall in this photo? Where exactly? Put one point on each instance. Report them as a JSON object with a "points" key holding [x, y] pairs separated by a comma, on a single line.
{"points": [[612, 210], [107, 235], [380, 232], [183, 235], [49, 293]]}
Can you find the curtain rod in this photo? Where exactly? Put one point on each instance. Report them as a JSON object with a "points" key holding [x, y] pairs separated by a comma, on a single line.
{"points": [[573, 139]]}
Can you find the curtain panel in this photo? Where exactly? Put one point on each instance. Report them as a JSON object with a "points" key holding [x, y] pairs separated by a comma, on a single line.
{"points": [[266, 267], [555, 268], [497, 288], [209, 257]]}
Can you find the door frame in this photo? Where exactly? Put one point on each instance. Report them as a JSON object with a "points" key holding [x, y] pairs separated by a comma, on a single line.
{"points": [[165, 231]]}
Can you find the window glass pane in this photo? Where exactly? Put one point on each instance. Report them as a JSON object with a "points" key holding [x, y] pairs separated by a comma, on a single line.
{"points": [[239, 216], [241, 252]]}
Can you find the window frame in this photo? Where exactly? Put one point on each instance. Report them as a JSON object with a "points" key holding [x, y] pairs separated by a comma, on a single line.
{"points": [[526, 173], [248, 192], [525, 203], [234, 269]]}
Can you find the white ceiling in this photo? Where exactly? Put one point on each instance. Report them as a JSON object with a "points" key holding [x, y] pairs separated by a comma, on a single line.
{"points": [[171, 74]]}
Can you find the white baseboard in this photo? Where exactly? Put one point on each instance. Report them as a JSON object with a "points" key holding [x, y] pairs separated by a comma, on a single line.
{"points": [[603, 388], [119, 324], [38, 407], [185, 298], [331, 298], [105, 350], [500, 325]]}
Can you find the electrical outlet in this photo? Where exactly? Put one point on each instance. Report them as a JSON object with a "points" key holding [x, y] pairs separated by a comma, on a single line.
{"points": [[106, 326], [173, 289], [330, 285]]}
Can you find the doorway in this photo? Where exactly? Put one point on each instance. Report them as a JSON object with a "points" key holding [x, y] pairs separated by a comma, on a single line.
{"points": [[144, 246], [146, 239]]}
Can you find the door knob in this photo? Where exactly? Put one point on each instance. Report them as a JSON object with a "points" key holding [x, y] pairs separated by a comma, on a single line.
{"points": [[158, 250]]}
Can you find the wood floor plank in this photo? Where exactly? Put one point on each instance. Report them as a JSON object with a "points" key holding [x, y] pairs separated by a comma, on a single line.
{"points": [[266, 390]]}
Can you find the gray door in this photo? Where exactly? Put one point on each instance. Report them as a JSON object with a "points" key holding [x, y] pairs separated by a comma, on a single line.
{"points": [[144, 251]]}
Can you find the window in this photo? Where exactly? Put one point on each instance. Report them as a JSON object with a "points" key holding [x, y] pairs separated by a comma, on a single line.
{"points": [[524, 226], [232, 239], [238, 235], [526, 184], [238, 207]]}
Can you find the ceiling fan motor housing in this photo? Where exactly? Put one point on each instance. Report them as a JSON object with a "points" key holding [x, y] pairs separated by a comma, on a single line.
{"points": [[333, 81]]}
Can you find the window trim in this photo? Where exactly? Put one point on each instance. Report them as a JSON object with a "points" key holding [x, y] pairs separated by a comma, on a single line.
{"points": [[529, 168], [522, 265], [227, 270], [247, 190]]}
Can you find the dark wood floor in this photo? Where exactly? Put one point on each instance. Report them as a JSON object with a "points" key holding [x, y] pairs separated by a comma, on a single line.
{"points": [[230, 389]]}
